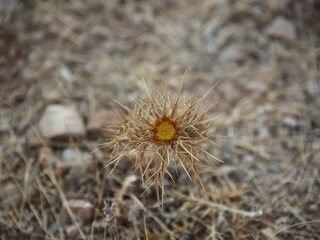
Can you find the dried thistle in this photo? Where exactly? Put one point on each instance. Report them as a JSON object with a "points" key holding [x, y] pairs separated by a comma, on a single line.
{"points": [[161, 130]]}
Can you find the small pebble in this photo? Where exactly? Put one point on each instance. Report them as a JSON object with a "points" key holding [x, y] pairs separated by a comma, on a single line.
{"points": [[290, 122], [72, 231], [232, 53], [74, 158], [282, 29], [83, 210]]}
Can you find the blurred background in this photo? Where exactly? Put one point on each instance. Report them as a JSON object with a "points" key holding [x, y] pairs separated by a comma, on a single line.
{"points": [[61, 61]]}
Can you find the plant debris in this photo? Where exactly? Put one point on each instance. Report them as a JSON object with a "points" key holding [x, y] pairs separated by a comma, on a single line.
{"points": [[161, 132]]}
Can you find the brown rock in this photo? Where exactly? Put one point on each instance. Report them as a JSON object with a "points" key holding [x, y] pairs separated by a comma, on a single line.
{"points": [[101, 119], [83, 210], [72, 231], [232, 53], [282, 29], [280, 4], [58, 121], [283, 132]]}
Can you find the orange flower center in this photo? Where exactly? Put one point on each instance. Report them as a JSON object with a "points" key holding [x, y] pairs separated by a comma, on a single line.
{"points": [[165, 131]]}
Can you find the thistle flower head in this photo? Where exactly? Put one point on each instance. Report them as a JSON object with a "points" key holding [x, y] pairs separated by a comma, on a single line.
{"points": [[161, 130]]}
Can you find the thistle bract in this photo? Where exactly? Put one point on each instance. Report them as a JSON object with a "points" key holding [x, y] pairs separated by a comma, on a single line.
{"points": [[160, 130]]}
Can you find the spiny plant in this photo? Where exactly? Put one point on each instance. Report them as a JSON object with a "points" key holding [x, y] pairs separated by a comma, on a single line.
{"points": [[160, 131]]}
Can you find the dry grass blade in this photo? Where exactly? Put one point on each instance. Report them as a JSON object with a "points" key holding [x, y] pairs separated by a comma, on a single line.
{"points": [[218, 206]]}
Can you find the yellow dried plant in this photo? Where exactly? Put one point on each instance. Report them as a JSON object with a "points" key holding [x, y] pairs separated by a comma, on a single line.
{"points": [[163, 130]]}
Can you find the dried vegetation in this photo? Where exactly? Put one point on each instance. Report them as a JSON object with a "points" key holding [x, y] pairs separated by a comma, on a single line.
{"points": [[163, 131], [81, 53]]}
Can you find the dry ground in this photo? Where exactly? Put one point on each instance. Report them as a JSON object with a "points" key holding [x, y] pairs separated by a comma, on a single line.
{"points": [[82, 52]]}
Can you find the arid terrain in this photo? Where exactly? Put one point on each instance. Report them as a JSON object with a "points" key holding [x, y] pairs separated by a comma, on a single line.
{"points": [[62, 65]]}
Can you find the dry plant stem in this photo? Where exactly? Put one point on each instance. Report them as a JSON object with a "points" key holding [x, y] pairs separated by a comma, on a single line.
{"points": [[163, 130], [291, 226], [219, 206], [127, 182], [32, 206], [162, 225], [65, 203]]}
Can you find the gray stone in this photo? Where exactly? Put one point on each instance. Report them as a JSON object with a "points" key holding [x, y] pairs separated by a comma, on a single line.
{"points": [[76, 158], [281, 28], [59, 121], [232, 53]]}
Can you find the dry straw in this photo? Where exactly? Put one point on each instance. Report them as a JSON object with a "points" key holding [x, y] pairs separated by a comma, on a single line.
{"points": [[161, 131]]}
